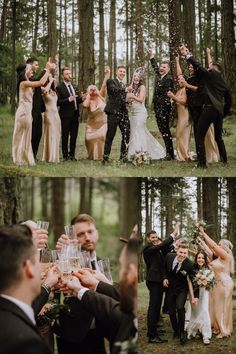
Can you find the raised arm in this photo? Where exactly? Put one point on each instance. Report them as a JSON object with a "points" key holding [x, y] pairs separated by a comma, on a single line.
{"points": [[141, 97], [153, 61], [209, 58], [216, 249], [205, 248], [178, 68], [39, 83], [103, 90], [180, 100]]}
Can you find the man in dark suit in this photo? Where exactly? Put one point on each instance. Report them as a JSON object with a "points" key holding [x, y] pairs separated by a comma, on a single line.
{"points": [[153, 254], [37, 109], [19, 285], [117, 115], [68, 101], [117, 320], [78, 329], [162, 103], [216, 105], [176, 270]]}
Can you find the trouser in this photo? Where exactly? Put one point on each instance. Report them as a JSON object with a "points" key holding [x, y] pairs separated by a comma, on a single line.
{"points": [[195, 113], [154, 308], [210, 115], [162, 113], [69, 129], [36, 131], [176, 303], [120, 120]]}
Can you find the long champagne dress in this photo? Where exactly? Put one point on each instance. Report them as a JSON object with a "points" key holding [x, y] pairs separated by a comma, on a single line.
{"points": [[211, 148], [21, 143], [96, 129], [183, 128], [140, 137], [52, 129], [221, 307]]}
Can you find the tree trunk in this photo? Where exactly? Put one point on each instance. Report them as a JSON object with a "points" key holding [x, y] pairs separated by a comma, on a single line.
{"points": [[52, 28], [58, 206], [210, 205], [189, 24], [36, 27], [86, 44], [13, 68], [228, 44], [3, 27], [101, 42], [231, 221], [10, 201], [111, 34], [139, 33], [174, 31]]}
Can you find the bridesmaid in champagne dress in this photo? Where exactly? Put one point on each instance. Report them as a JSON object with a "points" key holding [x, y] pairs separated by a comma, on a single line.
{"points": [[21, 144], [96, 126], [52, 124], [183, 128], [221, 302]]}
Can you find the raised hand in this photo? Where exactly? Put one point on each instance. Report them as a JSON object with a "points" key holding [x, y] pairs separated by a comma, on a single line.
{"points": [[72, 286], [208, 51], [170, 94], [177, 58], [40, 238], [107, 71], [63, 240], [150, 52], [87, 278], [52, 276], [183, 49]]}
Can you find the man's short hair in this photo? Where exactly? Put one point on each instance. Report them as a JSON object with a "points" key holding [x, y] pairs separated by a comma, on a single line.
{"points": [[31, 60], [166, 62], [16, 246], [121, 67], [183, 245], [65, 68], [149, 233], [83, 218]]}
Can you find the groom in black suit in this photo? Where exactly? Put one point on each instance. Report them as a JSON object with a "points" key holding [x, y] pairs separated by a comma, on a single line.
{"points": [[68, 101], [216, 105], [117, 114], [177, 268], [19, 285], [162, 103]]}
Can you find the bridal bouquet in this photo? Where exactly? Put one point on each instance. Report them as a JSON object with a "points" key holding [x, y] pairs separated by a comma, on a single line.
{"points": [[49, 313], [140, 158], [205, 277]]}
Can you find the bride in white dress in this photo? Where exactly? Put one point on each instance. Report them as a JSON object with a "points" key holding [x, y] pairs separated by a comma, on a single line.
{"points": [[140, 137], [200, 317]]}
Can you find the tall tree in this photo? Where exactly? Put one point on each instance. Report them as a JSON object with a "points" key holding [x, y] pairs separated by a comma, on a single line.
{"points": [[57, 206], [10, 206], [139, 33], [210, 205], [228, 44], [101, 42], [86, 44], [174, 30], [231, 220], [52, 28], [189, 26], [111, 35]]}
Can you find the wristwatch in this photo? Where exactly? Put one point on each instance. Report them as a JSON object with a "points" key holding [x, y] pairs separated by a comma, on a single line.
{"points": [[46, 287]]}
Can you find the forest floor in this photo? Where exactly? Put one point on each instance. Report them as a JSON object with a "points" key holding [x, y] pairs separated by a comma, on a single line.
{"points": [[115, 168], [193, 346]]}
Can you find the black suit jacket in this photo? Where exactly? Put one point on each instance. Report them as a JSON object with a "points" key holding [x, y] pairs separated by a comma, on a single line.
{"points": [[18, 335], [110, 290], [40, 301], [67, 108], [38, 102], [155, 261], [215, 87], [117, 326], [178, 281], [116, 97], [162, 86]]}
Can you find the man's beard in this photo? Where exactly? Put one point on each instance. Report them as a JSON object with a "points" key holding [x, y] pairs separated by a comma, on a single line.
{"points": [[128, 295]]}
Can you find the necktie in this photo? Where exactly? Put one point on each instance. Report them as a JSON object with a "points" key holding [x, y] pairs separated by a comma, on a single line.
{"points": [[175, 268], [72, 94], [93, 264]]}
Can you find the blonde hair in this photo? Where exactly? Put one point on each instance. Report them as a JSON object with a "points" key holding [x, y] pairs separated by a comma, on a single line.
{"points": [[97, 92], [228, 247]]}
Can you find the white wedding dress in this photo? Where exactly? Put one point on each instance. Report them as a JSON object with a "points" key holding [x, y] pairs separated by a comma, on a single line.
{"points": [[199, 316], [140, 137]]}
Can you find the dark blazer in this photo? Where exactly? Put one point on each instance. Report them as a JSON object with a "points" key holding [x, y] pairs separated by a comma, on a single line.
{"points": [[18, 335], [162, 86], [110, 290], [67, 108], [40, 301], [116, 97], [178, 281], [215, 87], [117, 326], [154, 259], [38, 102]]}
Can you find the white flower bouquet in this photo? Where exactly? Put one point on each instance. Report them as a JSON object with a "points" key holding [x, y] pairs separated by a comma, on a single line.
{"points": [[205, 277], [140, 158]]}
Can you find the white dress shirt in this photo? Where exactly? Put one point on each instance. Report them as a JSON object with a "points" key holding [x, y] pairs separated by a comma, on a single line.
{"points": [[22, 305], [174, 264]]}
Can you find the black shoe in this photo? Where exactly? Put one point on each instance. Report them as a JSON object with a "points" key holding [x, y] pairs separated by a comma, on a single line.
{"points": [[157, 340], [183, 338], [168, 158], [72, 158], [66, 158], [105, 161], [161, 331], [201, 165]]}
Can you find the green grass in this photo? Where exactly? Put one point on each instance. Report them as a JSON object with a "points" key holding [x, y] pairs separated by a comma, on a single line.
{"points": [[193, 346], [85, 167]]}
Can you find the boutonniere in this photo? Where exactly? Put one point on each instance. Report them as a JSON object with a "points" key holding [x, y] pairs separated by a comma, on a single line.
{"points": [[183, 272]]}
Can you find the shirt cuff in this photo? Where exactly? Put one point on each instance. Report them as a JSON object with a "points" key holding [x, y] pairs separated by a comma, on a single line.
{"points": [[189, 55], [81, 293]]}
